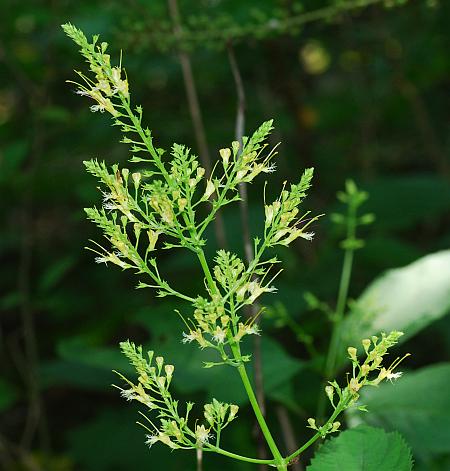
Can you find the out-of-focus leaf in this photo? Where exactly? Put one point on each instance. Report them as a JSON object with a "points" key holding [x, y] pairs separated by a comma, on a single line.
{"points": [[8, 394], [55, 272], [10, 300], [223, 381], [12, 157], [417, 199], [77, 350], [119, 444], [406, 299], [55, 114], [418, 406], [386, 252], [363, 449], [66, 373]]}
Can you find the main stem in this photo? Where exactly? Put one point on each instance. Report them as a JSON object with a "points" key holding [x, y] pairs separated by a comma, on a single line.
{"points": [[278, 459]]}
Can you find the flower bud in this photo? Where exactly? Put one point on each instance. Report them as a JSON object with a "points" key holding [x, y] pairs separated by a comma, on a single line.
{"points": [[365, 370], [366, 344], [352, 352], [159, 362], [169, 369], [210, 189], [225, 154], [354, 385], [152, 238], [335, 427], [161, 380], [312, 423], [136, 176], [233, 411], [329, 390]]}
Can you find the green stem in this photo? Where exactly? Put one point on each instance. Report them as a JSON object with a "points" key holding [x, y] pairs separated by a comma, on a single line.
{"points": [[342, 295], [330, 363], [206, 270], [278, 459], [237, 457], [340, 308], [318, 435], [256, 409]]}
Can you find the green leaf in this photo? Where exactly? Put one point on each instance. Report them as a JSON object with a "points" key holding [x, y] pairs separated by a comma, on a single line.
{"points": [[79, 350], [363, 449], [406, 299], [55, 272], [418, 406]]}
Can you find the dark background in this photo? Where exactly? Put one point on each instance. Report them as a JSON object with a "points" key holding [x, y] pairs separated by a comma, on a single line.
{"points": [[359, 94]]}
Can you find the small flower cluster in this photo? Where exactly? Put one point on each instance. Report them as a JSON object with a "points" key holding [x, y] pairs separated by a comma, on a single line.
{"points": [[216, 322], [213, 327], [210, 319], [108, 81], [219, 414], [375, 349], [152, 390], [282, 225], [247, 159], [370, 372], [235, 280], [329, 427]]}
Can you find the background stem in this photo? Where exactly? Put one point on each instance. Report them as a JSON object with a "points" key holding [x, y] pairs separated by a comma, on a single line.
{"points": [[196, 114]]}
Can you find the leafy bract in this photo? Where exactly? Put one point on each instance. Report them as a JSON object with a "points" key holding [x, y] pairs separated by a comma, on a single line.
{"points": [[363, 449]]}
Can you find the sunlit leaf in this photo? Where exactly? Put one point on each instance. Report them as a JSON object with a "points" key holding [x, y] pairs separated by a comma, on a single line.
{"points": [[406, 299]]}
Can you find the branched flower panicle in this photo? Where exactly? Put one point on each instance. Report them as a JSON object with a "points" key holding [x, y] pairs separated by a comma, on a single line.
{"points": [[142, 210], [158, 207]]}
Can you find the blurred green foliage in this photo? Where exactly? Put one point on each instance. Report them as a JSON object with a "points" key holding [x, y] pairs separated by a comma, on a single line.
{"points": [[362, 94]]}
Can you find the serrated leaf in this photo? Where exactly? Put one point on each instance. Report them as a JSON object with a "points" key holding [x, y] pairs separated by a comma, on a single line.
{"points": [[406, 299], [363, 449], [417, 405]]}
